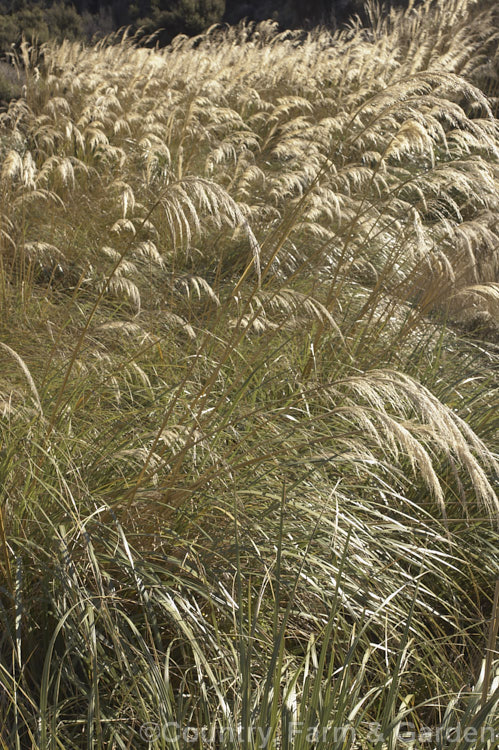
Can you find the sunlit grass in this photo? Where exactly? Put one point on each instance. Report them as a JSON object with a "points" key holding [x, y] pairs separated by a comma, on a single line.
{"points": [[248, 389]]}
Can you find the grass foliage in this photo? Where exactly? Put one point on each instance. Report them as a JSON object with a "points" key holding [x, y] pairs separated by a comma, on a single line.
{"points": [[249, 411]]}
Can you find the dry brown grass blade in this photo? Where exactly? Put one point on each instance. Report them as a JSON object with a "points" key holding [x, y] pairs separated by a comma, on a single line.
{"points": [[22, 364]]}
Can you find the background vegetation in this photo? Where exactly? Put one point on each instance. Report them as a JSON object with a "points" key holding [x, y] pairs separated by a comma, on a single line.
{"points": [[248, 393], [87, 19]]}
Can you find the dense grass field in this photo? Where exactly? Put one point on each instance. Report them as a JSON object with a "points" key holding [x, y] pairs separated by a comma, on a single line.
{"points": [[249, 410]]}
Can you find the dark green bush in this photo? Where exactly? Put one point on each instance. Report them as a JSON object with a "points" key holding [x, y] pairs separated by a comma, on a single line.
{"points": [[64, 22], [37, 24], [10, 85], [181, 17]]}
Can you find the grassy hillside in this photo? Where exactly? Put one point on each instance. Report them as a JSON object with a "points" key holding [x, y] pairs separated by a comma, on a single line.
{"points": [[249, 301]]}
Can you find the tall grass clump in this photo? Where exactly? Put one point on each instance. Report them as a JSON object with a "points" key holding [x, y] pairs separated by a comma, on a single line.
{"points": [[248, 392]]}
